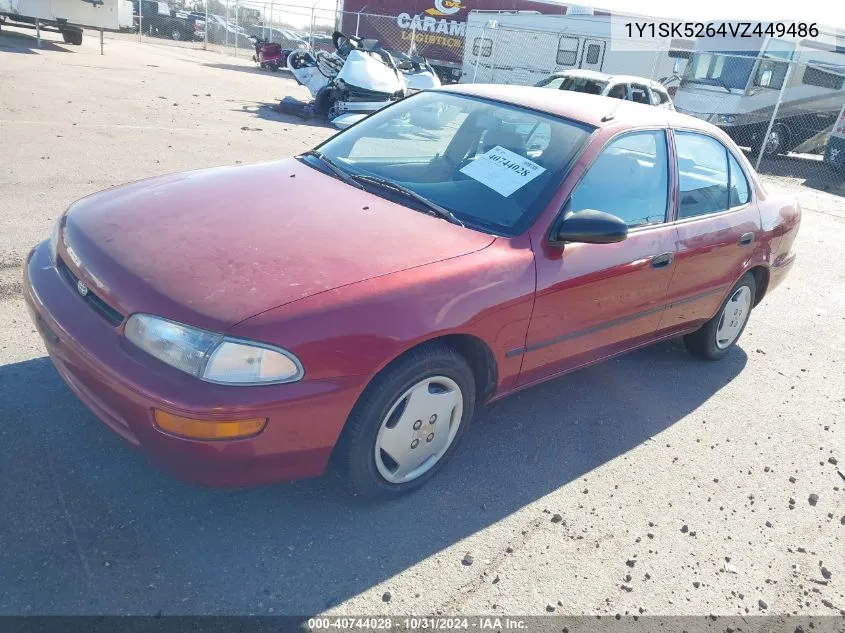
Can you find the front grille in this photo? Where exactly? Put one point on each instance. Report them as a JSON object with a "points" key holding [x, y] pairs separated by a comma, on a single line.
{"points": [[105, 310]]}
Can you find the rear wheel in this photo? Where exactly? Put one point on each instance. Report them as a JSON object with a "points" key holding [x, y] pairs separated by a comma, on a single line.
{"points": [[716, 337], [408, 422], [176, 34]]}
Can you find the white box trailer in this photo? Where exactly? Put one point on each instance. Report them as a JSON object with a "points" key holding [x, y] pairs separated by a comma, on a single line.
{"points": [[67, 17], [523, 47]]}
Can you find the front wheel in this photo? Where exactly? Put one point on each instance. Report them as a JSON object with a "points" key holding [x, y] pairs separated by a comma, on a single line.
{"points": [[408, 422], [716, 337]]}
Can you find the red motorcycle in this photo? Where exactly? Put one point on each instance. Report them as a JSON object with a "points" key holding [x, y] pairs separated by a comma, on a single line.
{"points": [[268, 54]]}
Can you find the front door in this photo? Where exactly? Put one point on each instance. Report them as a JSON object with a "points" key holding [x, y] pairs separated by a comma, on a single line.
{"points": [[594, 300]]}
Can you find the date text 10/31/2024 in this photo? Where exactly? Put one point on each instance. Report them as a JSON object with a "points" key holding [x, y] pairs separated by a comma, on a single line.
{"points": [[415, 623]]}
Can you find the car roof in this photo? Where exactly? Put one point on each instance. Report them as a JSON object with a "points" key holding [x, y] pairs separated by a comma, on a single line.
{"points": [[584, 107], [594, 74], [581, 72]]}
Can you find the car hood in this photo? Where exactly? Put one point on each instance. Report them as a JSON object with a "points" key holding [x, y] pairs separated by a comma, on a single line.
{"points": [[213, 247]]}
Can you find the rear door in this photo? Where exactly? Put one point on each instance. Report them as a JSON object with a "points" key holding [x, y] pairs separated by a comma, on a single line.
{"points": [[717, 226]]}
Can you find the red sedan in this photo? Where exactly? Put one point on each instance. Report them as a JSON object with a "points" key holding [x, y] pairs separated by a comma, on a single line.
{"points": [[245, 324]]}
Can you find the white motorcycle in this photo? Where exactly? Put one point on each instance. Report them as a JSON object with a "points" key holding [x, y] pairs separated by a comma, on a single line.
{"points": [[358, 78]]}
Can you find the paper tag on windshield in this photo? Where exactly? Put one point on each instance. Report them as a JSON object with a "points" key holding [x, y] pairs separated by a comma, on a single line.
{"points": [[502, 170]]}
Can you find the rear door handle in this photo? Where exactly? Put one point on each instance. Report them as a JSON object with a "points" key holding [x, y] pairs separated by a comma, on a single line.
{"points": [[662, 261], [746, 239]]}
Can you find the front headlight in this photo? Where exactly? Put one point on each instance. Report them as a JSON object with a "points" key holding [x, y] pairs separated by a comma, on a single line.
{"points": [[211, 356]]}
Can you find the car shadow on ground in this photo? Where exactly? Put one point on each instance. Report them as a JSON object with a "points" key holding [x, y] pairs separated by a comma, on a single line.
{"points": [[17, 42], [93, 528]]}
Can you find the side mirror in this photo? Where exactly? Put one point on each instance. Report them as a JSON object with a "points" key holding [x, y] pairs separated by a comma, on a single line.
{"points": [[589, 227]]}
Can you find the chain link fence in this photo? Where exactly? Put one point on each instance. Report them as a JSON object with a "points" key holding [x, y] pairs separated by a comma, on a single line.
{"points": [[785, 107]]}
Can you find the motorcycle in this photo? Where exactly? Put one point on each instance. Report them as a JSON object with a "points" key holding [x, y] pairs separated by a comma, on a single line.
{"points": [[268, 54], [358, 78]]}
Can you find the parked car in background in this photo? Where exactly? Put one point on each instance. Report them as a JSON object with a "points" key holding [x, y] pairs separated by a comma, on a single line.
{"points": [[525, 237], [222, 32], [286, 39], [321, 43], [157, 19], [636, 89]]}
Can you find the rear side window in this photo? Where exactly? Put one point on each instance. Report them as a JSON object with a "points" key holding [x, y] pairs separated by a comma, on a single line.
{"points": [[593, 52], [703, 174], [629, 179], [618, 91], [639, 94], [740, 193]]}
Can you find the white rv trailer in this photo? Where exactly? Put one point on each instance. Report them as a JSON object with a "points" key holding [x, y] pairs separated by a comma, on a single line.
{"points": [[739, 86], [67, 16], [524, 47]]}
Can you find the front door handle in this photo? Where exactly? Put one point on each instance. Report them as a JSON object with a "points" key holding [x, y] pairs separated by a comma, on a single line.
{"points": [[662, 261], [746, 239]]}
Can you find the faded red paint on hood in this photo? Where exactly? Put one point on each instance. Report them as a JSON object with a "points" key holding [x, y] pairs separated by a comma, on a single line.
{"points": [[217, 246]]}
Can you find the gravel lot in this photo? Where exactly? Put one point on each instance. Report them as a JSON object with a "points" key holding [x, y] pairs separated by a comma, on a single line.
{"points": [[654, 484]]}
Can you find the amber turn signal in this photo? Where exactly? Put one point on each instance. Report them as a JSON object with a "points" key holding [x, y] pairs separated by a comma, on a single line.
{"points": [[208, 429]]}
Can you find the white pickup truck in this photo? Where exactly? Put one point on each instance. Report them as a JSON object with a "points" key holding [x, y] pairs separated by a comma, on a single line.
{"points": [[67, 17]]}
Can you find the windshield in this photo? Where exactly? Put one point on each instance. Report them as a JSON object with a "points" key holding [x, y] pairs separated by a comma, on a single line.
{"points": [[492, 165], [729, 70]]}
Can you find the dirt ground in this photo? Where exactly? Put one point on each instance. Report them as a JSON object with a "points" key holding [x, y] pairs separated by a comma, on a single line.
{"points": [[653, 484]]}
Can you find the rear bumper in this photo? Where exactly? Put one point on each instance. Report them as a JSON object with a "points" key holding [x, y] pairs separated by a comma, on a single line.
{"points": [[121, 385]]}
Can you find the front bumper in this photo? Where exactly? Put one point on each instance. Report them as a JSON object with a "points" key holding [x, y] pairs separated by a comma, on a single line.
{"points": [[122, 385]]}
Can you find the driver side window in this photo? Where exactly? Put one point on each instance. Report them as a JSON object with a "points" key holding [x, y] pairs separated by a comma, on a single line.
{"points": [[629, 179]]}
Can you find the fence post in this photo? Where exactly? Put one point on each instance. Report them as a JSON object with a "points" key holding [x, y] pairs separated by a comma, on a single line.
{"points": [[357, 21], [205, 35], [237, 35], [140, 18], [311, 30], [786, 77], [227, 26]]}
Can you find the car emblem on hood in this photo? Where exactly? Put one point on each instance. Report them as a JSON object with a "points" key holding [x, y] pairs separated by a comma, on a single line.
{"points": [[81, 288]]}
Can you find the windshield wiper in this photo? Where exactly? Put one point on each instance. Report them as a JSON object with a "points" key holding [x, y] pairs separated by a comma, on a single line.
{"points": [[333, 167], [432, 207]]}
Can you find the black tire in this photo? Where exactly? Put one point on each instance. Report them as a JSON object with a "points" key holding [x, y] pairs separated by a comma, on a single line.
{"points": [[355, 454], [273, 67], [324, 100], [780, 134], [72, 37], [176, 35], [702, 342]]}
